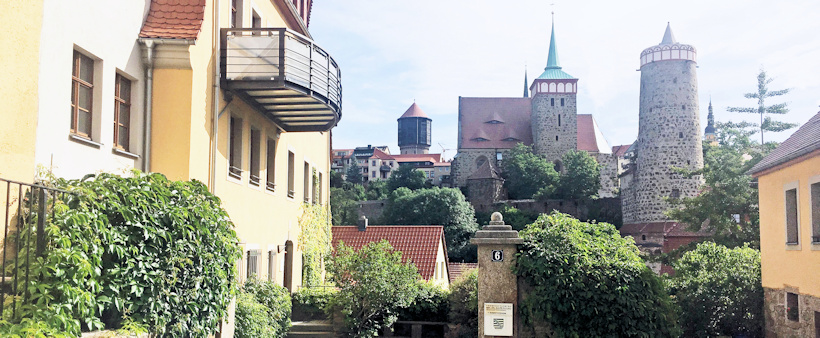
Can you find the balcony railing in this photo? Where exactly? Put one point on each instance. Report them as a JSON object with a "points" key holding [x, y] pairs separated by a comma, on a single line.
{"points": [[284, 75]]}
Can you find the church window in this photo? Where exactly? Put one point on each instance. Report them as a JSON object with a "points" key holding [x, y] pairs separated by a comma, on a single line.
{"points": [[559, 116], [680, 135], [562, 102], [556, 137], [552, 102], [643, 237]]}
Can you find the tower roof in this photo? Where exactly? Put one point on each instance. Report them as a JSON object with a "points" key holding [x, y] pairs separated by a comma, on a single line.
{"points": [[526, 83], [710, 120], [553, 70], [668, 37], [414, 111]]}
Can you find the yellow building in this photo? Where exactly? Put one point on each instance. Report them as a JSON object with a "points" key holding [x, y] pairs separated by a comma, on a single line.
{"points": [[789, 188], [233, 93]]}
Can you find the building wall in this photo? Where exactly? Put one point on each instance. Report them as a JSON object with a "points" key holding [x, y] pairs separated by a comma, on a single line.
{"points": [[545, 127], [20, 27], [483, 193], [465, 163], [609, 175], [668, 137], [107, 32]]}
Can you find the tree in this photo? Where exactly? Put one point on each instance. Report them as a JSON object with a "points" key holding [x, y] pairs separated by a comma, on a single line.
{"points": [[376, 190], [336, 179], [373, 286], [727, 202], [436, 206], [354, 173], [406, 176], [588, 281], [527, 174], [719, 291], [581, 178], [464, 305], [763, 92], [344, 203]]}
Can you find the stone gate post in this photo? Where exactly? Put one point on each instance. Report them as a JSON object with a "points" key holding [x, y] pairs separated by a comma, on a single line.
{"points": [[497, 284]]}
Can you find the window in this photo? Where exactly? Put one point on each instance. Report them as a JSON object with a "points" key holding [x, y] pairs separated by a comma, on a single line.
{"points": [[306, 183], [815, 212], [291, 173], [552, 102], [556, 137], [319, 191], [82, 87], [675, 193], [559, 117], [256, 155], [373, 174], [314, 180], [480, 161], [256, 22], [271, 161], [562, 102], [373, 163], [791, 217], [792, 307], [235, 149], [643, 237], [271, 266], [680, 134], [253, 263], [122, 112]]}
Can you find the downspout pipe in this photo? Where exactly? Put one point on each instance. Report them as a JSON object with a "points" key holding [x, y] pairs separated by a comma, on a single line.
{"points": [[215, 104]]}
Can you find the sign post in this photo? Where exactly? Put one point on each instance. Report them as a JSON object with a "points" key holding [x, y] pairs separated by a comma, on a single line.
{"points": [[497, 284]]}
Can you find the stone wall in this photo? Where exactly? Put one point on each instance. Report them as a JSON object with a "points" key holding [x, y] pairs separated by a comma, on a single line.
{"points": [[483, 193], [550, 139], [778, 325], [609, 175], [372, 210], [465, 163], [668, 137]]}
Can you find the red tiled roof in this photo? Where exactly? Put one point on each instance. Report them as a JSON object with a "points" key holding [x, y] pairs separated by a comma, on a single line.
{"points": [[414, 111], [590, 137], [442, 164], [621, 149], [377, 153], [418, 243], [458, 269], [173, 19], [435, 158], [475, 112]]}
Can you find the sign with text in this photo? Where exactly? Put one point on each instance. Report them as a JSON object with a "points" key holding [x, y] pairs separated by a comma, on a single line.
{"points": [[498, 319], [498, 256]]}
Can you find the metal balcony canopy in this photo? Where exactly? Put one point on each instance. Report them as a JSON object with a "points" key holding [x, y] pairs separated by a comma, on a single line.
{"points": [[283, 75]]}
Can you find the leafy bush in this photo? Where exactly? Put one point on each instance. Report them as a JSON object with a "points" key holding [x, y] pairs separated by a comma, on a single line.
{"points": [[312, 303], [527, 174], [430, 305], [719, 291], [581, 177], [588, 281], [373, 285], [464, 306], [157, 251], [262, 310]]}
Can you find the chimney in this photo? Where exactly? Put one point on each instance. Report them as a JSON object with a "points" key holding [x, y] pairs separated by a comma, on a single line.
{"points": [[362, 223]]}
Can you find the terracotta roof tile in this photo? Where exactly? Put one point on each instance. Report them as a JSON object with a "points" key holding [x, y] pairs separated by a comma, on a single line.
{"points": [[174, 19], [475, 112], [417, 243], [458, 269], [377, 153], [803, 141], [414, 111], [621, 149]]}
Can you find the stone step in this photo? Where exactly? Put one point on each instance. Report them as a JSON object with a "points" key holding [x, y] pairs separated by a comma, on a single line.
{"points": [[312, 326], [316, 334]]}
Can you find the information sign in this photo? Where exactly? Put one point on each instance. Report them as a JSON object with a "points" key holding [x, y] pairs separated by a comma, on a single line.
{"points": [[498, 319]]}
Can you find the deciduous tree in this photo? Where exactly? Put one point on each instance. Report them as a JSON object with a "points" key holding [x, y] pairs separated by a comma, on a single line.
{"points": [[406, 176], [527, 174]]}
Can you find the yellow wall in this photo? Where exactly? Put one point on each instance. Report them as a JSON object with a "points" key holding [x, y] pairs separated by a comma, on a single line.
{"points": [[782, 267], [20, 26], [171, 123]]}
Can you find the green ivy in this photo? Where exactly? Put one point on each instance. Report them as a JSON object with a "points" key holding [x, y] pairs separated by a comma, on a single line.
{"points": [[263, 310], [314, 242], [159, 252]]}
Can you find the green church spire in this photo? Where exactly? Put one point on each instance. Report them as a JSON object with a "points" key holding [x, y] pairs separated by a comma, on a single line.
{"points": [[526, 88], [552, 59]]}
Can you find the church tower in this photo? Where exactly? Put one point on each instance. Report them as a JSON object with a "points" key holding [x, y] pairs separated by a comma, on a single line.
{"points": [[414, 131], [554, 112], [709, 132], [668, 130]]}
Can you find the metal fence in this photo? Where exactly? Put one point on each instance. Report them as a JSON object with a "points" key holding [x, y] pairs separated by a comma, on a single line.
{"points": [[26, 210]]}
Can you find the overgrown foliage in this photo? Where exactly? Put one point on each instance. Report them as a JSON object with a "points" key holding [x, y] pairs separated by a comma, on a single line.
{"points": [[527, 174], [719, 291], [763, 92], [344, 202], [373, 285], [159, 253], [436, 206], [588, 281], [311, 303], [464, 306], [376, 190], [354, 172], [315, 238], [430, 305], [406, 176], [581, 178], [262, 310]]}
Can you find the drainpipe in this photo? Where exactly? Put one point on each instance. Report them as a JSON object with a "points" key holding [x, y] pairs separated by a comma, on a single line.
{"points": [[215, 103]]}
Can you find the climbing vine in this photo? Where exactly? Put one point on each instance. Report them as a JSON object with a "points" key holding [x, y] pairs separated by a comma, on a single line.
{"points": [[314, 239]]}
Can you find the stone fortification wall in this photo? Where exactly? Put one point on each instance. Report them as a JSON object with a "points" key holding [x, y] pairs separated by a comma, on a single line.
{"points": [[609, 175], [372, 210], [552, 139], [483, 193], [466, 164], [668, 137]]}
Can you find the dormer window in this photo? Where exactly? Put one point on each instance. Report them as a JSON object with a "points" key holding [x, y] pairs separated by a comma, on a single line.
{"points": [[511, 139], [494, 122], [480, 139]]}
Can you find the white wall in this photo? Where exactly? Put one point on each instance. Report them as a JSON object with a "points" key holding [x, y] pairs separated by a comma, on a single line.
{"points": [[107, 31]]}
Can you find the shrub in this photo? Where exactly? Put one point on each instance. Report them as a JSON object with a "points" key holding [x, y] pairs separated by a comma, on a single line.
{"points": [[265, 312], [160, 252], [464, 306], [312, 303], [430, 305], [588, 281], [373, 285], [719, 291]]}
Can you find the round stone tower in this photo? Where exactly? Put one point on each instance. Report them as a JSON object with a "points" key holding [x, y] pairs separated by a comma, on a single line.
{"points": [[414, 131], [669, 130], [554, 112]]}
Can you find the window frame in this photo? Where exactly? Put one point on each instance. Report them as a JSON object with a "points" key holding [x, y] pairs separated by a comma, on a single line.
{"points": [[792, 315], [119, 101], [787, 188], [814, 210], [270, 165], [76, 82], [235, 138], [291, 174], [306, 182], [254, 178]]}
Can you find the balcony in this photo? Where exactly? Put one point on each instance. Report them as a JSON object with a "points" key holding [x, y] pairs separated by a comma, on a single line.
{"points": [[283, 75]]}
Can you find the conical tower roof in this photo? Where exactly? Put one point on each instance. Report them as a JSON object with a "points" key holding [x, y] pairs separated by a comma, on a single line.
{"points": [[414, 111], [553, 70], [668, 37]]}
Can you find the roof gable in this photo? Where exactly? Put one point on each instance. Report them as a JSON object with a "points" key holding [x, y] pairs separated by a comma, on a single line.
{"points": [[173, 19], [803, 141]]}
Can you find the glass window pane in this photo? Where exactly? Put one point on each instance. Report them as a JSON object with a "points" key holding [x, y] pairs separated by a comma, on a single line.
{"points": [[85, 97], [73, 122], [84, 122], [125, 114], [86, 69], [125, 89], [122, 137]]}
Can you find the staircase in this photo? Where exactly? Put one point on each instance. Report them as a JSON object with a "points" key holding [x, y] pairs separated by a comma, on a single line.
{"points": [[312, 329]]}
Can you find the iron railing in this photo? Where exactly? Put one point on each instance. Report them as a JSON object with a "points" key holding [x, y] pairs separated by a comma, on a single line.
{"points": [[27, 209]]}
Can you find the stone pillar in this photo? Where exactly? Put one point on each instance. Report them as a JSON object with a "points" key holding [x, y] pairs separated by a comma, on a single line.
{"points": [[497, 284]]}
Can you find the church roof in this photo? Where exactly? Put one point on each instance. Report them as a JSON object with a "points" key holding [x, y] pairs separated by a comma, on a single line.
{"points": [[590, 137], [803, 142], [553, 70], [474, 112], [414, 111], [668, 37]]}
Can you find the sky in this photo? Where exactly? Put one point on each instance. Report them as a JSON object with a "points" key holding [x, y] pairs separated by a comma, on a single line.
{"points": [[392, 53]]}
